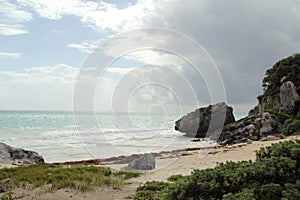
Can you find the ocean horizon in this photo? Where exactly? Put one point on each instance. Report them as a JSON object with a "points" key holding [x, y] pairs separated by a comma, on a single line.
{"points": [[61, 136]]}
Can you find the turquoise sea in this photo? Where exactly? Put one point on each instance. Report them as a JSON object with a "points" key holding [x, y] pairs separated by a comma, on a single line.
{"points": [[66, 136]]}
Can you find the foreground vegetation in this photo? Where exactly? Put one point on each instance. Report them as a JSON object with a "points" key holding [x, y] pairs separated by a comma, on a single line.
{"points": [[274, 175], [79, 177]]}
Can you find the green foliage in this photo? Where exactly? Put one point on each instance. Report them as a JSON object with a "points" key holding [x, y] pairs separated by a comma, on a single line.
{"points": [[7, 197], [82, 178], [175, 177], [290, 126], [274, 175], [150, 190], [245, 194], [288, 68], [127, 174], [282, 117], [291, 191]]}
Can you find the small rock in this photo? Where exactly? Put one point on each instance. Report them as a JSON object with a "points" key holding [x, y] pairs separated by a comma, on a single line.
{"points": [[145, 162], [3, 189], [7, 180]]}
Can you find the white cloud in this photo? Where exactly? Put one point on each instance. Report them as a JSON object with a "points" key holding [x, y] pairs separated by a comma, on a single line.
{"points": [[12, 19], [42, 88], [99, 15], [85, 47], [12, 14], [119, 70], [12, 29], [60, 73], [4, 55]]}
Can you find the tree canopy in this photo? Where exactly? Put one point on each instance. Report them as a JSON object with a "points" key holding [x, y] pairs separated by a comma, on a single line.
{"points": [[287, 69]]}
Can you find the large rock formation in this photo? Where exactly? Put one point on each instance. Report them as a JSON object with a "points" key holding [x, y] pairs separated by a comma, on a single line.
{"points": [[199, 123], [11, 155], [279, 102], [278, 109]]}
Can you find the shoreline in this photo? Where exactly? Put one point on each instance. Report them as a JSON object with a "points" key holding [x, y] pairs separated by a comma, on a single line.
{"points": [[168, 163], [171, 154]]}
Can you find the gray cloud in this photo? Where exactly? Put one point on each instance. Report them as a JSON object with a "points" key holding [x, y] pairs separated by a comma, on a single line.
{"points": [[243, 37]]}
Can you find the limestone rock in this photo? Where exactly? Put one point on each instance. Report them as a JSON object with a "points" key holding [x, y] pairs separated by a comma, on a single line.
{"points": [[288, 95], [249, 128], [199, 123], [3, 189], [283, 101], [145, 162], [11, 155]]}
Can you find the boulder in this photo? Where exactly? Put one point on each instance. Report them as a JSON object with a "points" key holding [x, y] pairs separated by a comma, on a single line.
{"points": [[145, 162], [250, 128], [3, 189], [198, 123], [11, 155]]}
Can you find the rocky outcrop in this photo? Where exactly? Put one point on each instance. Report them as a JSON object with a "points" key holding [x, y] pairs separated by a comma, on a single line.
{"points": [[145, 162], [284, 101], [11, 155], [288, 96], [199, 123], [278, 109], [251, 128]]}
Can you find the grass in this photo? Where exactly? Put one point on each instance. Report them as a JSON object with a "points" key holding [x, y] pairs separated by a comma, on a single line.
{"points": [[7, 197], [79, 177]]}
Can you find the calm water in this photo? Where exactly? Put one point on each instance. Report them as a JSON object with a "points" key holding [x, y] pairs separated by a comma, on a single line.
{"points": [[64, 136]]}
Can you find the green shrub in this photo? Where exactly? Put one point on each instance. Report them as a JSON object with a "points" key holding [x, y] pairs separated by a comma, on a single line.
{"points": [[269, 191], [274, 175], [245, 194], [175, 177], [150, 190], [290, 126], [291, 191]]}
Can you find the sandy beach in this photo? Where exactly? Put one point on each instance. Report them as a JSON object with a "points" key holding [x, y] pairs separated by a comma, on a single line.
{"points": [[165, 167]]}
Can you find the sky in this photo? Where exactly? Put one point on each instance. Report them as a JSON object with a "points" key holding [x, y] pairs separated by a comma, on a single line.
{"points": [[200, 52]]}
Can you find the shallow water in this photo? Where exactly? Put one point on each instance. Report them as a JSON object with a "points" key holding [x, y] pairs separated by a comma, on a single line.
{"points": [[65, 136]]}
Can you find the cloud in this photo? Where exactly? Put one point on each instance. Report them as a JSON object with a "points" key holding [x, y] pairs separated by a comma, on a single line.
{"points": [[12, 29], [12, 19], [4, 55], [85, 47], [119, 70], [244, 38], [60, 73], [98, 15], [38, 88], [51, 87]]}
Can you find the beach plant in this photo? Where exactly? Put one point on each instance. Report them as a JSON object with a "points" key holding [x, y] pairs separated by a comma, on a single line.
{"points": [[7, 197], [290, 126], [175, 177], [274, 175], [79, 177]]}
